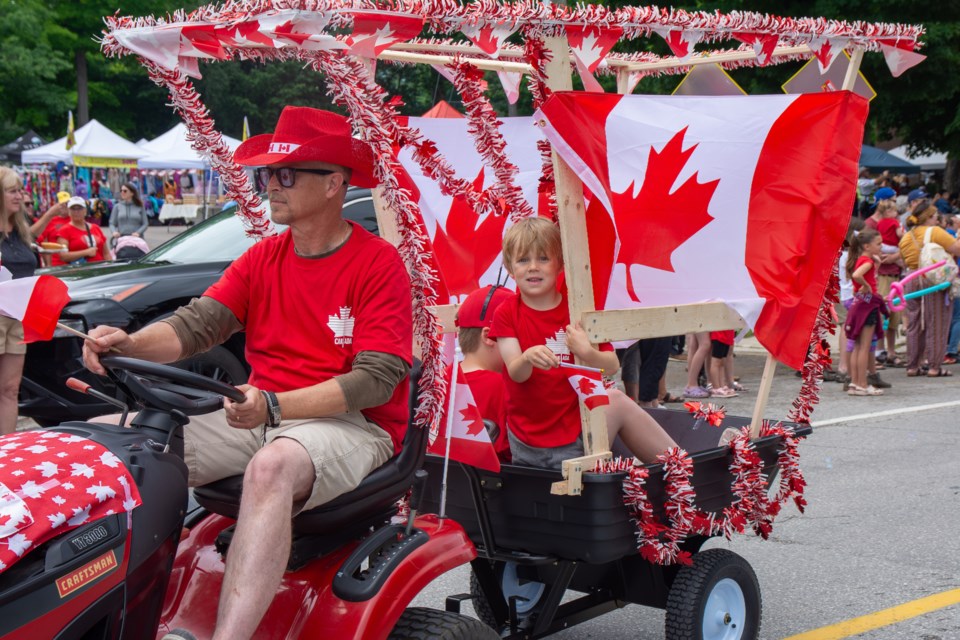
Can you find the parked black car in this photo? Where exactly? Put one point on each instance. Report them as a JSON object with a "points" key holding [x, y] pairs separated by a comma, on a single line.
{"points": [[131, 295]]}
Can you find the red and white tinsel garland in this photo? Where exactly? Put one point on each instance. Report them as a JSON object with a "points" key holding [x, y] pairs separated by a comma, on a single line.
{"points": [[537, 57], [484, 126], [818, 355], [660, 542], [350, 83], [207, 141]]}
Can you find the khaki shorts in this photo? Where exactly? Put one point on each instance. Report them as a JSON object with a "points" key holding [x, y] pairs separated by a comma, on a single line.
{"points": [[344, 450], [883, 288], [11, 337]]}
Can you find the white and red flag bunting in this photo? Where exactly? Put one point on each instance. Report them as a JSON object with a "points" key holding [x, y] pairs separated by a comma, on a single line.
{"points": [[489, 37], [590, 46], [375, 32], [900, 56], [35, 301], [510, 80], [744, 200], [680, 41], [763, 44], [826, 50], [467, 245], [588, 385], [52, 482], [470, 443]]}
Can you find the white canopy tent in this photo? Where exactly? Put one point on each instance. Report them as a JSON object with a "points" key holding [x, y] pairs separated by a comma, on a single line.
{"points": [[172, 150], [97, 146], [929, 162]]}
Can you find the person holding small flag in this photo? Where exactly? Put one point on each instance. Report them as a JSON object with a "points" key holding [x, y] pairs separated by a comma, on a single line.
{"points": [[538, 343], [16, 256]]}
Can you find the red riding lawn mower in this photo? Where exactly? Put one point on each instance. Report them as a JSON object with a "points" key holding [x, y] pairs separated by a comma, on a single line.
{"points": [[351, 574]]}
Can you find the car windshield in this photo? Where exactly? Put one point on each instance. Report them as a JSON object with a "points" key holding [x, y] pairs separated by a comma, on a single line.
{"points": [[219, 239]]}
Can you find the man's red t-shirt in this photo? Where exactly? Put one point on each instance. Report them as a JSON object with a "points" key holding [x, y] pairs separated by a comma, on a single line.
{"points": [[490, 396], [306, 318], [78, 239], [543, 411]]}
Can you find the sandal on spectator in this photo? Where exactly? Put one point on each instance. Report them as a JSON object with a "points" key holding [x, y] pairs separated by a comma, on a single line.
{"points": [[739, 387], [695, 392], [896, 362], [723, 392], [950, 360], [914, 373], [939, 373], [669, 398]]}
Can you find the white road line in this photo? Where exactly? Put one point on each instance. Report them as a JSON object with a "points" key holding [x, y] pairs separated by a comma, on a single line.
{"points": [[889, 412]]}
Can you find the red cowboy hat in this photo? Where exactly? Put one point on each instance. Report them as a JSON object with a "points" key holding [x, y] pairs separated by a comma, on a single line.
{"points": [[310, 135]]}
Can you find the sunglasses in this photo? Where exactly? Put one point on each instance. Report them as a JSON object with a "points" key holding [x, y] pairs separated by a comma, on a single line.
{"points": [[287, 176]]}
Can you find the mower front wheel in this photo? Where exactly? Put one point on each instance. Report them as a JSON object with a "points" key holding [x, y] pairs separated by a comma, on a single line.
{"points": [[418, 623]]}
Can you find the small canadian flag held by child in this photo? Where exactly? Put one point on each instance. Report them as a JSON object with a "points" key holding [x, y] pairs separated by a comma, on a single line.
{"points": [[35, 301], [470, 443], [588, 383]]}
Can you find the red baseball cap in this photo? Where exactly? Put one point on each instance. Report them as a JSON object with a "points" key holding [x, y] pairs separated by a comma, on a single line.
{"points": [[477, 310]]}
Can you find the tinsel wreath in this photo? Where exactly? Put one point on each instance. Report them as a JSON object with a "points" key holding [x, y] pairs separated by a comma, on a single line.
{"points": [[484, 126], [207, 141], [351, 84], [818, 355]]}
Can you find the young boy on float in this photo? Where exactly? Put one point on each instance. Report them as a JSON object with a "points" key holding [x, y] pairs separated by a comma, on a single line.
{"points": [[534, 335], [482, 364]]}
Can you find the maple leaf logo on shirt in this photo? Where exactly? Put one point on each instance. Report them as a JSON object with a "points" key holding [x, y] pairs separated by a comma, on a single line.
{"points": [[558, 343], [342, 326]]}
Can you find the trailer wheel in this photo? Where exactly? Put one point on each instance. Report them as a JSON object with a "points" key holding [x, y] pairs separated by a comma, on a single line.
{"points": [[716, 598], [529, 592], [418, 623]]}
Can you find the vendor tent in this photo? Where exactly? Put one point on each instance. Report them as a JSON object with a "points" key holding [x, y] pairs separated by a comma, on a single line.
{"points": [[879, 160], [11, 151], [172, 150], [97, 146], [929, 162], [442, 110]]}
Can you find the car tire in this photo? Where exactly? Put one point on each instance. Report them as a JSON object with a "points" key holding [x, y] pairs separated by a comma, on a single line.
{"points": [[418, 623], [217, 363]]}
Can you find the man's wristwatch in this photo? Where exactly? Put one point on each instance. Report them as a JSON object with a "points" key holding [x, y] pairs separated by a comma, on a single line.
{"points": [[273, 408]]}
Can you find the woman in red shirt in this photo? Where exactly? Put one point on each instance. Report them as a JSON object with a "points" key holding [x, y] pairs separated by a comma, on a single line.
{"points": [[84, 240]]}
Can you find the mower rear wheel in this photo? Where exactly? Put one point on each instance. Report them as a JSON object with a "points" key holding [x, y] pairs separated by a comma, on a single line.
{"points": [[418, 623]]}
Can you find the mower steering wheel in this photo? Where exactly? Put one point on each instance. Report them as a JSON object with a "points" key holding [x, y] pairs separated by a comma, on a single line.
{"points": [[167, 388]]}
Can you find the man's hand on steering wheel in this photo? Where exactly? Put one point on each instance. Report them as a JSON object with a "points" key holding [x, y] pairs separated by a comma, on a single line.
{"points": [[250, 413], [106, 338]]}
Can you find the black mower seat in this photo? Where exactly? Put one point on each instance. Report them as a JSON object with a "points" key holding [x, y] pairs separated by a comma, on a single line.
{"points": [[373, 497]]}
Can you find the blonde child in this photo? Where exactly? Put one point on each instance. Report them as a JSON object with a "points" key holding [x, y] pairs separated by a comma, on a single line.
{"points": [[534, 335], [863, 319]]}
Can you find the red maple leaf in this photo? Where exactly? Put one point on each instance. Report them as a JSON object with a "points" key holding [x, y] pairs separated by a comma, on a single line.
{"points": [[586, 386], [463, 250], [654, 223], [487, 40], [471, 417]]}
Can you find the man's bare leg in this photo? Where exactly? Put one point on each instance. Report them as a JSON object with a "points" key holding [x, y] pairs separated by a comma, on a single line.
{"points": [[278, 476]]}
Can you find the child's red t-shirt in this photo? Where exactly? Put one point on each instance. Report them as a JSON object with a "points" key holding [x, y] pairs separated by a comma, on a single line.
{"points": [[724, 337], [490, 396], [888, 231], [543, 411], [870, 276], [306, 318]]}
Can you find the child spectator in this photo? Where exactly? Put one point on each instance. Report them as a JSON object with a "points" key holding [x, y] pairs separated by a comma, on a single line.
{"points": [[721, 365], [889, 228], [863, 319], [534, 335], [482, 364]]}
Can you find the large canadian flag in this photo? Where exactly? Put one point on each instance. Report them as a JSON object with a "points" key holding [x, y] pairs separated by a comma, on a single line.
{"points": [[470, 442], [35, 301], [466, 245], [739, 199]]}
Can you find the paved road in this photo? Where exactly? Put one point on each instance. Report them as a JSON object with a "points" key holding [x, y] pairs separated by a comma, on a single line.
{"points": [[882, 527]]}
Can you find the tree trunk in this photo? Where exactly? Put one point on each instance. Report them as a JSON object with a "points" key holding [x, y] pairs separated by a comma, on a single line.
{"points": [[83, 107], [951, 175]]}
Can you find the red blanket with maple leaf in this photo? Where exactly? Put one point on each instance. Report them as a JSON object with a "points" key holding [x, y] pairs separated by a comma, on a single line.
{"points": [[52, 482]]}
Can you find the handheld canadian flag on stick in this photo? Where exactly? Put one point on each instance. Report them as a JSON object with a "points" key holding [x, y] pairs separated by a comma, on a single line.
{"points": [[35, 301], [588, 383]]}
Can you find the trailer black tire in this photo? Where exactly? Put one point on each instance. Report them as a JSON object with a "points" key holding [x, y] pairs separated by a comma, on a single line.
{"points": [[418, 623], [731, 581]]}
